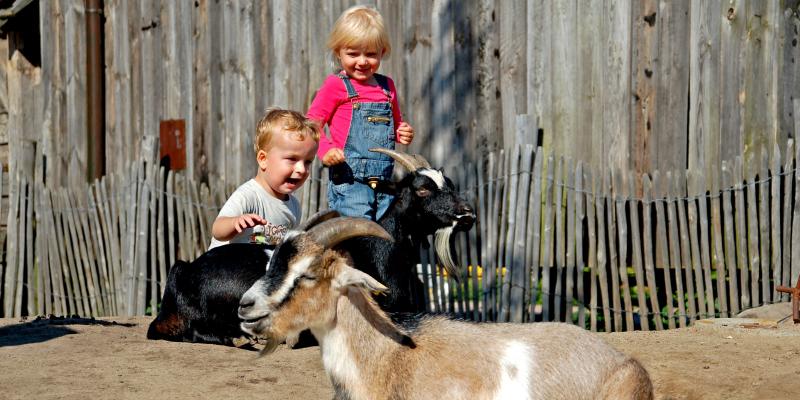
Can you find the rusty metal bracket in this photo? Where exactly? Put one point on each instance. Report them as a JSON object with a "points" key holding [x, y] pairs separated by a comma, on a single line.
{"points": [[795, 292]]}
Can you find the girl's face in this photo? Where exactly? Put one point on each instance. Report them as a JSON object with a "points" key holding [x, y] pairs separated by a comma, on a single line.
{"points": [[360, 63]]}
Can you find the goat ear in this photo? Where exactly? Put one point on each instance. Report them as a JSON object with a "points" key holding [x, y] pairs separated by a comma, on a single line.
{"points": [[351, 277]]}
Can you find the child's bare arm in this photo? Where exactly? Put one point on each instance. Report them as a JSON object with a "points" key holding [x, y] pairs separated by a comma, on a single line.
{"points": [[405, 133], [333, 156], [225, 228]]}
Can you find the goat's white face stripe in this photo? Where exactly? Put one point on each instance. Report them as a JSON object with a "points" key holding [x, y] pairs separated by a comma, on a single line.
{"points": [[515, 366], [295, 270], [436, 176]]}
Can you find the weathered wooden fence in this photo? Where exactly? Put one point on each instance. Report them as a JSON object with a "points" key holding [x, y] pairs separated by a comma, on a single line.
{"points": [[554, 240]]}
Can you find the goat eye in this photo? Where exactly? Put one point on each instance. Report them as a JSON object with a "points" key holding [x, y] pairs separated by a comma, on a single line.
{"points": [[422, 192], [309, 278]]}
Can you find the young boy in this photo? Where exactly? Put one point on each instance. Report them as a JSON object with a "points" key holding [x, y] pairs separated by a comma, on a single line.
{"points": [[285, 145]]}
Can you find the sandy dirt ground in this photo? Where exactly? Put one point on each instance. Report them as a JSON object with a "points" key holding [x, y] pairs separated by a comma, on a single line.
{"points": [[111, 358]]}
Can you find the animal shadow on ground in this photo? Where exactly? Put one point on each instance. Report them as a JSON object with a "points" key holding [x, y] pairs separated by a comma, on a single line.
{"points": [[43, 329]]}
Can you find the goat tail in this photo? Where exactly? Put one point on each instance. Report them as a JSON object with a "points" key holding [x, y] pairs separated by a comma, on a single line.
{"points": [[628, 380]]}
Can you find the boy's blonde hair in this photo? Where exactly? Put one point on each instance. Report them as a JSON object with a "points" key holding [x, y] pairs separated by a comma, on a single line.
{"points": [[359, 26], [277, 119]]}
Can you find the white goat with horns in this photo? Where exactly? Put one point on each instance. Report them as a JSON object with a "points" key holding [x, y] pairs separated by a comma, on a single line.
{"points": [[367, 356]]}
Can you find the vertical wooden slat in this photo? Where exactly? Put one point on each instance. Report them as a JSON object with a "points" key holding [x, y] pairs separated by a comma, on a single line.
{"points": [[616, 41], [170, 199], [636, 250], [685, 272], [752, 233], [9, 286], [717, 241], [580, 209], [74, 305], [704, 108], [560, 247], [705, 243], [23, 246], [490, 266], [503, 177], [86, 242], [786, 238], [508, 260], [31, 280], [602, 255], [152, 237], [142, 218], [517, 294], [482, 228], [741, 234], [100, 249], [730, 239], [131, 201], [647, 240], [613, 257], [620, 199], [57, 266], [68, 236], [592, 235], [161, 221], [111, 243], [696, 264], [775, 222], [670, 257], [763, 226], [570, 240], [547, 239], [43, 278], [535, 231], [733, 28]]}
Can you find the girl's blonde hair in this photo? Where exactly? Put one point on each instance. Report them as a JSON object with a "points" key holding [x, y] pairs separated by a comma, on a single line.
{"points": [[276, 119], [359, 26]]}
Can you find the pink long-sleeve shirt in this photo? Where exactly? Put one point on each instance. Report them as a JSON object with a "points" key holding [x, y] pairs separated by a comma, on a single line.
{"points": [[332, 107]]}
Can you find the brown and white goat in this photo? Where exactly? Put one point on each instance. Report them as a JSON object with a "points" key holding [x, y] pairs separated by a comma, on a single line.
{"points": [[367, 356]]}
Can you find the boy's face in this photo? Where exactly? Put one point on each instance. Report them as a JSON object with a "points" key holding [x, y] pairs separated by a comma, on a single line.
{"points": [[284, 167], [360, 63]]}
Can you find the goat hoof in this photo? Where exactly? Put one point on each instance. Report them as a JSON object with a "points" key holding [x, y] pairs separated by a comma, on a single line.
{"points": [[241, 342]]}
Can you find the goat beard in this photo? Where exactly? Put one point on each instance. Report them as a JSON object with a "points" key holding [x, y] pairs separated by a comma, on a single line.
{"points": [[444, 251], [271, 344]]}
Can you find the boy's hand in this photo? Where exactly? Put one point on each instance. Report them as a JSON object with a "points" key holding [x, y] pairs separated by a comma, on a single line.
{"points": [[405, 133], [332, 157], [245, 221]]}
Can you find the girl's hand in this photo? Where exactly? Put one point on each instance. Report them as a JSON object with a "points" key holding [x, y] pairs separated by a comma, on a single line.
{"points": [[332, 157], [405, 133], [245, 221]]}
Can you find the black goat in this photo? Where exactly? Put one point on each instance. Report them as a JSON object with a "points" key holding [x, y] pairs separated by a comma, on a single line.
{"points": [[201, 299], [426, 202]]}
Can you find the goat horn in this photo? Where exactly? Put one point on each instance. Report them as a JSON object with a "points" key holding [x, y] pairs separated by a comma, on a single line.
{"points": [[318, 218], [333, 231], [411, 162]]}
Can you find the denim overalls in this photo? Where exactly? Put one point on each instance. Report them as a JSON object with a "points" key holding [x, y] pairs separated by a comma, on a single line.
{"points": [[371, 125]]}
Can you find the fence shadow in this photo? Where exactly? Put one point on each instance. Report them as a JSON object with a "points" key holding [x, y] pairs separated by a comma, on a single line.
{"points": [[43, 329]]}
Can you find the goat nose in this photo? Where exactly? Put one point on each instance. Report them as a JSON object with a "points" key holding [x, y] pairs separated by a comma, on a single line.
{"points": [[245, 305]]}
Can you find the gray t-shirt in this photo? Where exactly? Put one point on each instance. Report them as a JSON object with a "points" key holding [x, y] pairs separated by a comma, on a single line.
{"points": [[251, 198]]}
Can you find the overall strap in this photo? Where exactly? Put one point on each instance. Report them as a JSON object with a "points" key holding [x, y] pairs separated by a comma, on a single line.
{"points": [[351, 91], [383, 82]]}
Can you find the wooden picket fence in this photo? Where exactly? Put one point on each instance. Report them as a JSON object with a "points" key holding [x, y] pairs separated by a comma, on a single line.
{"points": [[554, 241]]}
